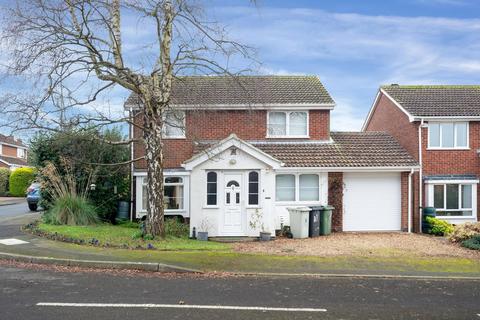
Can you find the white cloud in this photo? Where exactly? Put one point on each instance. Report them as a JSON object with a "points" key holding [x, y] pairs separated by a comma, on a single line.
{"points": [[345, 117]]}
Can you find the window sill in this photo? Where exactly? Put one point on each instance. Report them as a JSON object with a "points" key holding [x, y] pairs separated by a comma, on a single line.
{"points": [[447, 149], [174, 138], [210, 207], [288, 137], [455, 217]]}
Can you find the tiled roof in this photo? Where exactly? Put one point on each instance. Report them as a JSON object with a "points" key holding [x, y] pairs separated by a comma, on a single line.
{"points": [[11, 140], [246, 90], [348, 149], [15, 161], [442, 101]]}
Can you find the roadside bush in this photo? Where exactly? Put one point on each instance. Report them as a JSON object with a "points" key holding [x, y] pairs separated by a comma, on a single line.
{"points": [[439, 227], [72, 210], [4, 176], [465, 231], [20, 180], [176, 228], [472, 243]]}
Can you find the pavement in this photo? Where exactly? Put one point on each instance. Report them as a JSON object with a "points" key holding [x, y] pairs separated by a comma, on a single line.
{"points": [[40, 250], [48, 294]]}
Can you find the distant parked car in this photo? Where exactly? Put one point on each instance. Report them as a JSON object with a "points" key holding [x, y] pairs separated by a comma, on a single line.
{"points": [[33, 196]]}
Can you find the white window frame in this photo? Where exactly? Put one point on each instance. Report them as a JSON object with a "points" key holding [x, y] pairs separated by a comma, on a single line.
{"points": [[21, 153], [287, 124], [216, 205], [183, 136], [297, 188], [183, 183], [248, 205], [430, 200], [455, 147]]}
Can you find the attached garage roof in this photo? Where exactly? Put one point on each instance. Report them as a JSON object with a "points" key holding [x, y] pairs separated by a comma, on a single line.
{"points": [[347, 150], [227, 91], [14, 161], [437, 101]]}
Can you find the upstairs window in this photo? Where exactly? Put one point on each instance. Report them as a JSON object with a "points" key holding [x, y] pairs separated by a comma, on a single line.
{"points": [[448, 135], [21, 153], [174, 126], [287, 124]]}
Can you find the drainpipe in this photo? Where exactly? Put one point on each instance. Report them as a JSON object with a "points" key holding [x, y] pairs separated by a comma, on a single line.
{"points": [[410, 201], [130, 134], [420, 176]]}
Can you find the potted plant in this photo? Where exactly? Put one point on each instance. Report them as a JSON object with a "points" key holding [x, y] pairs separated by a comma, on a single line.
{"points": [[202, 233], [256, 222]]}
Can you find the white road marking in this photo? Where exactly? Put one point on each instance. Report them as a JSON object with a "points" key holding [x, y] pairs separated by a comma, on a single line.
{"points": [[12, 242], [175, 306]]}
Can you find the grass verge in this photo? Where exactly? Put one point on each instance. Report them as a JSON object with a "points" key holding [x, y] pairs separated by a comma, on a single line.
{"points": [[105, 235]]}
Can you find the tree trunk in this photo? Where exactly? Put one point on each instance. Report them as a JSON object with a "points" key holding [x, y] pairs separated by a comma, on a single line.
{"points": [[155, 186]]}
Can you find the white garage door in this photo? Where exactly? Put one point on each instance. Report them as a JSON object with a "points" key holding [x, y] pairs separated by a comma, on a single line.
{"points": [[372, 202]]}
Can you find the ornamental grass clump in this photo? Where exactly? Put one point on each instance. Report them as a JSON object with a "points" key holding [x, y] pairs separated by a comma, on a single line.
{"points": [[70, 203]]}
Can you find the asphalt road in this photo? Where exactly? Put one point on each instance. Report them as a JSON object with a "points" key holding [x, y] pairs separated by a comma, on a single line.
{"points": [[21, 290], [14, 210]]}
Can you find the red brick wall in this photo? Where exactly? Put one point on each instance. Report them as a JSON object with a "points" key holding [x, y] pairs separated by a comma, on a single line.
{"points": [[335, 199], [9, 151], [404, 199], [217, 125], [388, 117]]}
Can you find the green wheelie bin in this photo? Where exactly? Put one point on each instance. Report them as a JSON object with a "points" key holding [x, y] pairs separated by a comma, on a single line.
{"points": [[326, 220]]}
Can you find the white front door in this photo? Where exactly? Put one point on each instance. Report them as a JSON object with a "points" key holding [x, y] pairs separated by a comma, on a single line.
{"points": [[233, 213]]}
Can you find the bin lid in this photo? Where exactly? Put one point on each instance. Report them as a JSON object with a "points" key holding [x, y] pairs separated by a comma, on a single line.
{"points": [[298, 209], [316, 207], [328, 207]]}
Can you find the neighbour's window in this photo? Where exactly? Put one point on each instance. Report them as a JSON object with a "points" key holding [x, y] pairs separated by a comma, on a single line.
{"points": [[253, 188], [172, 195], [453, 199], [285, 187], [174, 124], [20, 153], [309, 187], [287, 124], [211, 188], [448, 135]]}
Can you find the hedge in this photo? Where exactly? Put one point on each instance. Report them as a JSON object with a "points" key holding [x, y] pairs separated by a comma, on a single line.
{"points": [[4, 176], [20, 180]]}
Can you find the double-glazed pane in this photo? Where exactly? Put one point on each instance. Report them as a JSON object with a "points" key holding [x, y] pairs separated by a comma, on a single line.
{"points": [[144, 195], [452, 196], [173, 197], [438, 196], [285, 187], [174, 124], [253, 188], [461, 135], [434, 135], [308, 187], [211, 188], [277, 125], [298, 124], [447, 135], [466, 196]]}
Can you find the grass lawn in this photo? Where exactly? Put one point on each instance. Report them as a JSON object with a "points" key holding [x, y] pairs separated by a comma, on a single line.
{"points": [[121, 236]]}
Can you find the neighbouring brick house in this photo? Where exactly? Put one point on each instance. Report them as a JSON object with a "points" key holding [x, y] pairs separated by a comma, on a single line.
{"points": [[13, 153], [234, 148], [440, 127]]}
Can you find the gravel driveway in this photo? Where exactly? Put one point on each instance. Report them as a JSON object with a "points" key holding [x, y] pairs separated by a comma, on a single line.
{"points": [[366, 244]]}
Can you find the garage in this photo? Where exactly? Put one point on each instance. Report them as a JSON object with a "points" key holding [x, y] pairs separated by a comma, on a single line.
{"points": [[372, 201]]}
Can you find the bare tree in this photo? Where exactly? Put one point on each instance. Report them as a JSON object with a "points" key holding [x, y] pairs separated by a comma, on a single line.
{"points": [[66, 46]]}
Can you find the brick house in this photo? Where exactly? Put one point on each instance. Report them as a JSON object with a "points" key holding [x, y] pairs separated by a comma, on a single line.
{"points": [[234, 148], [440, 127], [13, 153]]}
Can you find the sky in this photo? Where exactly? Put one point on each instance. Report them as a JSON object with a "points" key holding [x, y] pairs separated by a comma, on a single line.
{"points": [[353, 46]]}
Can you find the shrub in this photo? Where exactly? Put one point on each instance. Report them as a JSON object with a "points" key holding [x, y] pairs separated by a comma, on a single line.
{"points": [[465, 231], [439, 227], [176, 228], [73, 210], [472, 243], [4, 176], [20, 180]]}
